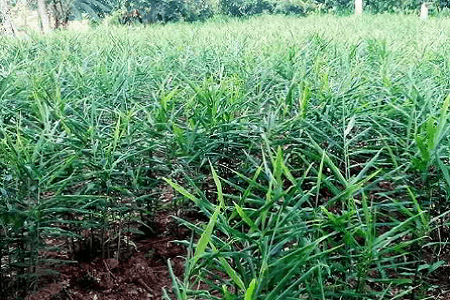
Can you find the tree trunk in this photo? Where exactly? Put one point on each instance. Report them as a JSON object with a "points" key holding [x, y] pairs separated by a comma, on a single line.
{"points": [[358, 7], [5, 16], [43, 15], [61, 14]]}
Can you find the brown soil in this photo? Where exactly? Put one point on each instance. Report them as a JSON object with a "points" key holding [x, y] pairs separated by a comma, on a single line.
{"points": [[141, 276]]}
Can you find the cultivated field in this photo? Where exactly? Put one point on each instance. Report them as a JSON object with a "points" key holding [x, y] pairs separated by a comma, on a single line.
{"points": [[310, 156]]}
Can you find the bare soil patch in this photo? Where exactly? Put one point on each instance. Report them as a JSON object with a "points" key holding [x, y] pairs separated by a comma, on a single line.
{"points": [[142, 275]]}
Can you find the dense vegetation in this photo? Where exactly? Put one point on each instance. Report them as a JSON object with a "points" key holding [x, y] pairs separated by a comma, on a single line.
{"points": [[152, 11], [317, 148], [163, 11]]}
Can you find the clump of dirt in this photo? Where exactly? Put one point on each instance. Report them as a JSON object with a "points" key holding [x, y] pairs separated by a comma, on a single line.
{"points": [[141, 276]]}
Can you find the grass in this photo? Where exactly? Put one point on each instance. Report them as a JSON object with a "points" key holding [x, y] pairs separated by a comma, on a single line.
{"points": [[318, 147]]}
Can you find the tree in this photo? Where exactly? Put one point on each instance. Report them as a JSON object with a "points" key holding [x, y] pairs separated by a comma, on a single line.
{"points": [[5, 16], [61, 11], [43, 15]]}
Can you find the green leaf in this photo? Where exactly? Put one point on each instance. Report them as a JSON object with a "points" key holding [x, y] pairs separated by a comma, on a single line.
{"points": [[182, 191], [218, 185], [250, 290], [246, 218], [350, 126], [206, 236], [230, 271]]}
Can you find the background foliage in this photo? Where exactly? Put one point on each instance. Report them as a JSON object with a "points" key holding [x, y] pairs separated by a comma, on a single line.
{"points": [[152, 11], [193, 10]]}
